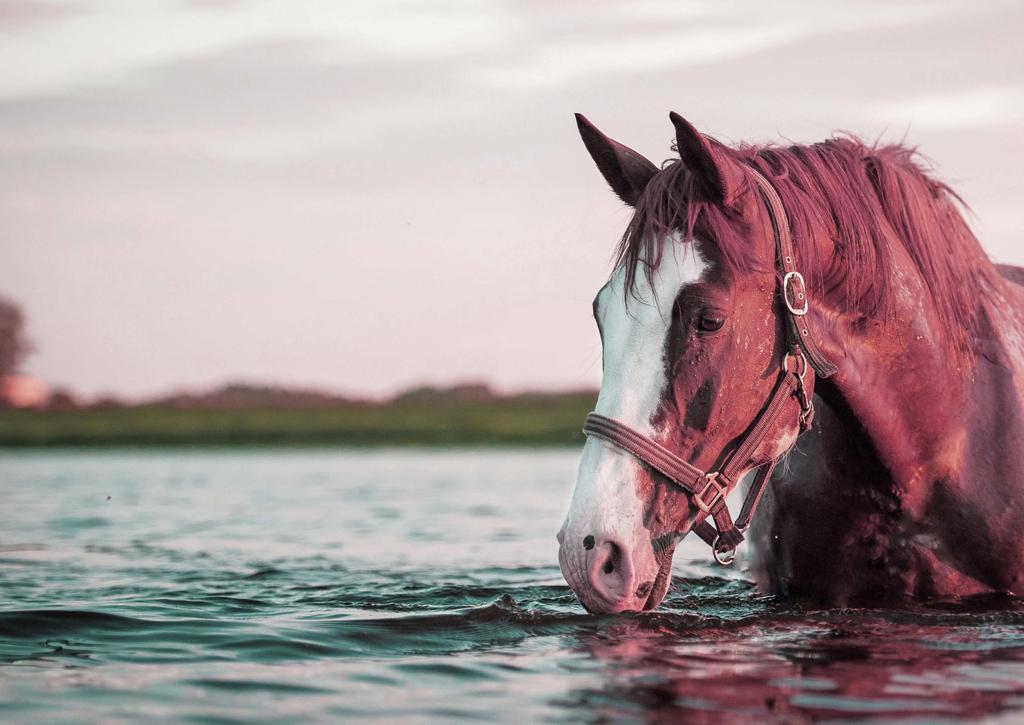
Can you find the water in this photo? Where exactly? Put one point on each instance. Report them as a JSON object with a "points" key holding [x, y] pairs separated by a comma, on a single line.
{"points": [[313, 585]]}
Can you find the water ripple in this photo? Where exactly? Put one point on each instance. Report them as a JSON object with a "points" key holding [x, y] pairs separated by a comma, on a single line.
{"points": [[286, 596]]}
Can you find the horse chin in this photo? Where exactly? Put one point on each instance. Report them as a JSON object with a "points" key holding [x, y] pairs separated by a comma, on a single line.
{"points": [[662, 582]]}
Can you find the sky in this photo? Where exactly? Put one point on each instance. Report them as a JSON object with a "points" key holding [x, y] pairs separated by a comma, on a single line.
{"points": [[364, 196]]}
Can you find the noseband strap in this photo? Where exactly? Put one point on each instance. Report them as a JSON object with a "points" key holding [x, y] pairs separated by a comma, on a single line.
{"points": [[707, 489]]}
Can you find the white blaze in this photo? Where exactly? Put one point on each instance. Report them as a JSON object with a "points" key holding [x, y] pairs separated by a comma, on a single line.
{"points": [[634, 330]]}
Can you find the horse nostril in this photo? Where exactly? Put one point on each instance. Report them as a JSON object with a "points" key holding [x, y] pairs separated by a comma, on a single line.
{"points": [[612, 562], [588, 542], [611, 571], [644, 589]]}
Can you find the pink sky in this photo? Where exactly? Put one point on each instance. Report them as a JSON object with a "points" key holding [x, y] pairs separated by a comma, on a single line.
{"points": [[363, 196]]}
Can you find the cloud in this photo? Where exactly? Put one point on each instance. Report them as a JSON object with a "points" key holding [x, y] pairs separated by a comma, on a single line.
{"points": [[209, 106], [563, 63], [22, 14], [129, 37], [625, 40], [262, 188], [965, 108]]}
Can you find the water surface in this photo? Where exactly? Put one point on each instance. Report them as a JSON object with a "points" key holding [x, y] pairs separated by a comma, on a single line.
{"points": [[298, 585]]}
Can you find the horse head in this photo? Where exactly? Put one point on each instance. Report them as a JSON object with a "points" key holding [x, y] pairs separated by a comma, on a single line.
{"points": [[695, 349]]}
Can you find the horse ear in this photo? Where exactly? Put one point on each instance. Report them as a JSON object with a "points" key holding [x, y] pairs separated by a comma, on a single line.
{"points": [[717, 177], [623, 168]]}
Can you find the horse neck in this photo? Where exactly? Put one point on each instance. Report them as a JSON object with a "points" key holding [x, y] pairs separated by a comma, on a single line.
{"points": [[932, 415], [905, 385], [948, 437]]}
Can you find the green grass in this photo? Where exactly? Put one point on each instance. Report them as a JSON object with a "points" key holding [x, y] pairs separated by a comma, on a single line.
{"points": [[530, 420]]}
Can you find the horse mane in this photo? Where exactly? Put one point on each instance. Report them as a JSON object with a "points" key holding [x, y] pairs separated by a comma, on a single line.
{"points": [[867, 199]]}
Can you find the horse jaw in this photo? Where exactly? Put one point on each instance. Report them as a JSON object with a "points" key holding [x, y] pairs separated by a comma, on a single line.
{"points": [[608, 502]]}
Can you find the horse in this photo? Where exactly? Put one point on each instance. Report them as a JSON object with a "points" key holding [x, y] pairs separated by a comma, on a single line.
{"points": [[819, 321]]}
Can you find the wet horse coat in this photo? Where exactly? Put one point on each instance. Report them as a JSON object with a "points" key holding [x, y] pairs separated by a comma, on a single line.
{"points": [[868, 544], [909, 483]]}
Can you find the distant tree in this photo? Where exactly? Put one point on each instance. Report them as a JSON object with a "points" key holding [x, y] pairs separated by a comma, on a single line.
{"points": [[62, 399], [14, 346]]}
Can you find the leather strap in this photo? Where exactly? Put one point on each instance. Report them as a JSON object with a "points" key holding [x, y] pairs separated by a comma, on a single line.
{"points": [[754, 494], [653, 454], [794, 288], [706, 489]]}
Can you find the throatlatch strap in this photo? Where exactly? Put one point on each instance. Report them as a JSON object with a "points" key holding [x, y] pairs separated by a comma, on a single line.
{"points": [[754, 494]]}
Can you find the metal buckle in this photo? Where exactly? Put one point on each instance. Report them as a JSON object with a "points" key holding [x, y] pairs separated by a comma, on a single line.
{"points": [[711, 482], [790, 276], [725, 557]]}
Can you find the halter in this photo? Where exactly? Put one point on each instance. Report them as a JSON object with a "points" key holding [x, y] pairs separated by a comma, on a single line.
{"points": [[707, 489]]}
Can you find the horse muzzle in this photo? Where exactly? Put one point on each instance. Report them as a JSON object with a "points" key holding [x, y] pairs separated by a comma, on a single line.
{"points": [[608, 573]]}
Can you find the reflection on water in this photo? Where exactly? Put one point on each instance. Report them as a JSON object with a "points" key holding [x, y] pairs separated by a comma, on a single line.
{"points": [[318, 585], [819, 664]]}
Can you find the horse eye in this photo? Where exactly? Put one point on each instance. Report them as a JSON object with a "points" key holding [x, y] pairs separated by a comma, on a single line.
{"points": [[710, 322]]}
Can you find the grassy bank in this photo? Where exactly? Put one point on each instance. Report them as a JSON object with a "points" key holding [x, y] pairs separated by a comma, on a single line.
{"points": [[533, 420]]}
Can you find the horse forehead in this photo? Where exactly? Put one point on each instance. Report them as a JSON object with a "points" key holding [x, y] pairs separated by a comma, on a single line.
{"points": [[649, 303]]}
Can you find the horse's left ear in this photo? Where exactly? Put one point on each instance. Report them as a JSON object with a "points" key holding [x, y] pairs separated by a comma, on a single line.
{"points": [[717, 177], [626, 171]]}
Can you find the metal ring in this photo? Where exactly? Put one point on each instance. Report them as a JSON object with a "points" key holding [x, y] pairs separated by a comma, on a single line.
{"points": [[725, 558], [801, 368]]}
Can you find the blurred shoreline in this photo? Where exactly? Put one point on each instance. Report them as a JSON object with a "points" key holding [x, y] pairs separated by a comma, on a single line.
{"points": [[460, 415]]}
